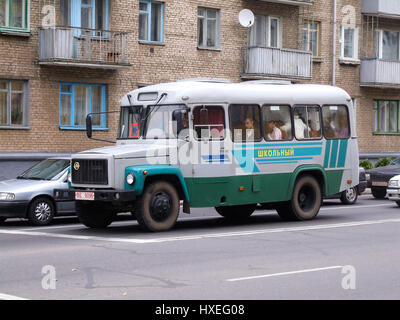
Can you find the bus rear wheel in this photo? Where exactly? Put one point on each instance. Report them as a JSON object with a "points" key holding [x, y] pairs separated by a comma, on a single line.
{"points": [[158, 207], [236, 212], [93, 216], [305, 202]]}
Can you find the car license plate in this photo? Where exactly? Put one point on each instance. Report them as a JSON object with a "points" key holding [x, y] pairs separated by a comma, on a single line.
{"points": [[84, 196], [379, 183]]}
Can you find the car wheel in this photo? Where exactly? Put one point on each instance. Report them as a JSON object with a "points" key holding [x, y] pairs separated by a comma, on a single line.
{"points": [[2, 220], [93, 216], [305, 202], [379, 193], [237, 212], [158, 208], [398, 203], [349, 196], [41, 212]]}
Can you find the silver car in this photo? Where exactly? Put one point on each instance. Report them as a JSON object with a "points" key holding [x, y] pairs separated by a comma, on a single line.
{"points": [[30, 195]]}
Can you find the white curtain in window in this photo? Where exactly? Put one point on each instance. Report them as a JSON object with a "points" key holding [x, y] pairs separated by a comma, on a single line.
{"points": [[17, 13], [383, 116], [348, 42], [143, 25], [393, 116], [375, 117], [3, 103], [3, 12], [65, 112], [258, 36], [81, 104], [156, 21], [96, 104], [390, 45]]}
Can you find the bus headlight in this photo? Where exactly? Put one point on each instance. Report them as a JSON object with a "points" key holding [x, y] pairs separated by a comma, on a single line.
{"points": [[130, 178], [6, 196]]}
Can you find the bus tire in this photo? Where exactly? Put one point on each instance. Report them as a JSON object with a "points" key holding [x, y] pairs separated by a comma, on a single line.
{"points": [[378, 193], [305, 202], [237, 212], [93, 216], [158, 207]]}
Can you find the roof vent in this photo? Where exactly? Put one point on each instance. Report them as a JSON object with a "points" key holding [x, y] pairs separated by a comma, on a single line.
{"points": [[278, 82], [213, 80]]}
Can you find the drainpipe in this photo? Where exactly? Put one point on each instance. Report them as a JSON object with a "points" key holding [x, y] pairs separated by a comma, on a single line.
{"points": [[334, 44]]}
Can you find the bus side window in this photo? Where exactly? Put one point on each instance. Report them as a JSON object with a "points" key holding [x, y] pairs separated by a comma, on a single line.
{"points": [[307, 124], [336, 122], [245, 122], [277, 122], [209, 123]]}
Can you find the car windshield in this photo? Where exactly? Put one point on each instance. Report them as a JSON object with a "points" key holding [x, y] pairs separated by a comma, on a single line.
{"points": [[46, 170]]}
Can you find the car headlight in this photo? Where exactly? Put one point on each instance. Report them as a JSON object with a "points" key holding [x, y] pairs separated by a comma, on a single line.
{"points": [[393, 183], [7, 196], [130, 178]]}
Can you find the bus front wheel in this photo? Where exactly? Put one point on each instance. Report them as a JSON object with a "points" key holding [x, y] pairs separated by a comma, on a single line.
{"points": [[236, 212], [305, 202], [158, 207]]}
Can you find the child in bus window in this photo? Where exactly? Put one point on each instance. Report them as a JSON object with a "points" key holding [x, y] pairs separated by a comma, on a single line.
{"points": [[274, 132], [343, 127], [249, 125]]}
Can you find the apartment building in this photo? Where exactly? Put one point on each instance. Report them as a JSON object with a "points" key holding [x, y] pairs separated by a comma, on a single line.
{"points": [[61, 59]]}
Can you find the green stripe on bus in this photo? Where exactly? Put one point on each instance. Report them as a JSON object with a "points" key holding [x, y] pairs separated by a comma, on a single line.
{"points": [[342, 153], [327, 152], [335, 144]]}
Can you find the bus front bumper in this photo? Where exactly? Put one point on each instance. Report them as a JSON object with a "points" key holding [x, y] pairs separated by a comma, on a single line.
{"points": [[95, 195]]}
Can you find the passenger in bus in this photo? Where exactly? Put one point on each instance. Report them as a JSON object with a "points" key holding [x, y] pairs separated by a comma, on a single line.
{"points": [[274, 133], [299, 126], [343, 131], [285, 128], [249, 125], [329, 130], [314, 128]]}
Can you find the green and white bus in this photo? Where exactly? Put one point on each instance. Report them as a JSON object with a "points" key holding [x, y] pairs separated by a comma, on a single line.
{"points": [[212, 143]]}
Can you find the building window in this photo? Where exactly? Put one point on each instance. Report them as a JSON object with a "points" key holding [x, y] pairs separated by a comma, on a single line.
{"points": [[151, 15], [14, 14], [88, 14], [311, 37], [208, 24], [265, 32], [386, 116], [77, 101], [349, 43], [13, 103], [387, 45]]}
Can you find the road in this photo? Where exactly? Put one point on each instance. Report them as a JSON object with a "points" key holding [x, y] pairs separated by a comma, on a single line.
{"points": [[348, 252]]}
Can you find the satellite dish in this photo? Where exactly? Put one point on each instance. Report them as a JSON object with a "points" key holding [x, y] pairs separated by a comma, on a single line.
{"points": [[246, 18]]}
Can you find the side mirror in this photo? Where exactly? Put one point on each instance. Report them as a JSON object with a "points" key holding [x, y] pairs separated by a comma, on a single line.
{"points": [[89, 130]]}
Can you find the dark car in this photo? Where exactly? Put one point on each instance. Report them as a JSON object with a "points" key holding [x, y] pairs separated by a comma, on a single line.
{"points": [[350, 196], [378, 178]]}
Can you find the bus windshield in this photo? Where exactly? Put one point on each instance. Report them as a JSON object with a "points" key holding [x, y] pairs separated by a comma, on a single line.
{"points": [[130, 123]]}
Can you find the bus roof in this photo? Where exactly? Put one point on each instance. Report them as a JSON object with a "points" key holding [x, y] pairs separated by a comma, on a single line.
{"points": [[252, 92]]}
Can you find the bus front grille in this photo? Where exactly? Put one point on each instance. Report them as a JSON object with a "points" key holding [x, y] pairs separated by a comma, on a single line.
{"points": [[89, 171]]}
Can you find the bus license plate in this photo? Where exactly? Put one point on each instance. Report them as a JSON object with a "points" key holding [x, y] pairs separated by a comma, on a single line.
{"points": [[380, 183], [84, 196]]}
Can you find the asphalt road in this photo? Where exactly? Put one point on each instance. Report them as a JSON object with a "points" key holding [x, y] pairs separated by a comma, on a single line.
{"points": [[348, 252]]}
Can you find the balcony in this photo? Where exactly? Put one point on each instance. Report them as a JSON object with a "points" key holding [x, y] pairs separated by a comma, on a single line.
{"points": [[382, 8], [78, 47], [380, 73], [292, 2], [266, 62]]}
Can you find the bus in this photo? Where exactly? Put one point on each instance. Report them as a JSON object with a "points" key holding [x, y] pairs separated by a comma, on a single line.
{"points": [[212, 143]]}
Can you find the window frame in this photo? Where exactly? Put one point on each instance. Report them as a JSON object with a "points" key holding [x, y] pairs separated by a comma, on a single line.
{"points": [[379, 42], [217, 29], [223, 117], [25, 105], [309, 30], [26, 4], [231, 127], [378, 132], [75, 14], [148, 21], [267, 37], [291, 121], [320, 121], [71, 126], [348, 121], [355, 43]]}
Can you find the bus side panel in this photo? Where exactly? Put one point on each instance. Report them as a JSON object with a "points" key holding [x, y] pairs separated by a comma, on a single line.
{"points": [[226, 191]]}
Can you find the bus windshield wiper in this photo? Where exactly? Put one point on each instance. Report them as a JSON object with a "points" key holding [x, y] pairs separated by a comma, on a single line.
{"points": [[153, 109]]}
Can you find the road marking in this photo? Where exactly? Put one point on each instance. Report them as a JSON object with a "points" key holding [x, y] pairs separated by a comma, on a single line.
{"points": [[202, 236], [283, 273], [356, 207], [9, 297]]}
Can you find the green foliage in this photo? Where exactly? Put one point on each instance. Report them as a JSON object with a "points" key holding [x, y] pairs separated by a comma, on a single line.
{"points": [[382, 162], [366, 164]]}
